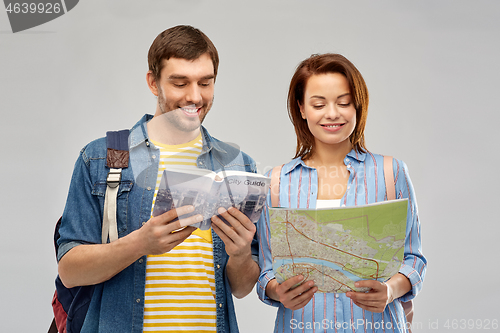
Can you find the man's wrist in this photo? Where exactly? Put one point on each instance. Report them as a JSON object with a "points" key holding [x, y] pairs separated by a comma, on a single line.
{"points": [[241, 259]]}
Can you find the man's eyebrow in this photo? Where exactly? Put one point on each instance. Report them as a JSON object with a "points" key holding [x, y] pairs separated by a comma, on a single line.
{"points": [[208, 77], [184, 77]]}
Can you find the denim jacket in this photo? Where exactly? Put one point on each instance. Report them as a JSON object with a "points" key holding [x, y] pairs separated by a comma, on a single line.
{"points": [[118, 304]]}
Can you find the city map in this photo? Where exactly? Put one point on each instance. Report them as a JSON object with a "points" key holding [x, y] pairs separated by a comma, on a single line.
{"points": [[336, 247]]}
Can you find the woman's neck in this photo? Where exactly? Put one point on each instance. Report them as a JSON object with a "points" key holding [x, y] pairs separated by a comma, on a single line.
{"points": [[328, 154], [328, 160]]}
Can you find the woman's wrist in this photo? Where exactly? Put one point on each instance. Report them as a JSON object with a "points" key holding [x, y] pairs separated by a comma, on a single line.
{"points": [[271, 290]]}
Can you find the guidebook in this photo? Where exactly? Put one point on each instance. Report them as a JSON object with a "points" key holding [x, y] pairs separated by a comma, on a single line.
{"points": [[336, 247], [207, 191]]}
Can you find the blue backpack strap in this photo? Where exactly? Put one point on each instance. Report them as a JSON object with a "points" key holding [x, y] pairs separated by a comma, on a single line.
{"points": [[117, 156], [117, 149]]}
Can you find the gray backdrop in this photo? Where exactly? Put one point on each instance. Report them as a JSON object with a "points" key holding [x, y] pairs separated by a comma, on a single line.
{"points": [[432, 68]]}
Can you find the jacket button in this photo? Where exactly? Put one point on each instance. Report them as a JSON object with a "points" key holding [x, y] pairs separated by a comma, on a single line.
{"points": [[149, 188], [141, 261], [218, 266], [220, 305], [138, 300]]}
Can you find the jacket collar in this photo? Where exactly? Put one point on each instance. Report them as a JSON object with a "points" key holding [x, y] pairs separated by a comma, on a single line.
{"points": [[209, 142], [139, 132], [295, 163]]}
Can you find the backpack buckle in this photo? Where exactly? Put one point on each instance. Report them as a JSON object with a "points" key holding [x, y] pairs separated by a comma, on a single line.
{"points": [[114, 177]]}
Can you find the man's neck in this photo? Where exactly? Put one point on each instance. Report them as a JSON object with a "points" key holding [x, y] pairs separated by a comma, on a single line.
{"points": [[163, 132]]}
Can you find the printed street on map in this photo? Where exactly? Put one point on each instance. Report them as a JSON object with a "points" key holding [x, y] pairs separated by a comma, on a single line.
{"points": [[336, 247]]}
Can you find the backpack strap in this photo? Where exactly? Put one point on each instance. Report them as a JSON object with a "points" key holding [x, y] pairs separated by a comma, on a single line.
{"points": [[275, 186], [117, 156], [390, 187], [389, 178], [53, 327]]}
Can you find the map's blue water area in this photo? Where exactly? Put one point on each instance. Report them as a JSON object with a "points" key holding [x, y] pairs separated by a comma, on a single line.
{"points": [[280, 262]]}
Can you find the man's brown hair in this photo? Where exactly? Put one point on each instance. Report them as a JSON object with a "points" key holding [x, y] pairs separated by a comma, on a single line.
{"points": [[183, 42], [323, 64]]}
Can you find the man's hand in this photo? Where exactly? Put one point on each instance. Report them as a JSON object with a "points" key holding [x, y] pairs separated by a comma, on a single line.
{"points": [[291, 298], [160, 235], [237, 237], [242, 271]]}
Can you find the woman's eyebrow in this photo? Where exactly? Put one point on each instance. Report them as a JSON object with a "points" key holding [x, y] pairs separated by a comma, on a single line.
{"points": [[323, 97], [344, 95], [317, 96]]}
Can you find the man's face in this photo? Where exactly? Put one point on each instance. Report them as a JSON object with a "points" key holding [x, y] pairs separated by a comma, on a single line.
{"points": [[185, 91]]}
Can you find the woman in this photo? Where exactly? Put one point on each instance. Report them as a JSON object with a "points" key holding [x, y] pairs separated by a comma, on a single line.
{"points": [[328, 105]]}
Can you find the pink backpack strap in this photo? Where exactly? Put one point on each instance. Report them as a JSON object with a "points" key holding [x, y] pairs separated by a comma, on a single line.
{"points": [[275, 186], [391, 195], [389, 178]]}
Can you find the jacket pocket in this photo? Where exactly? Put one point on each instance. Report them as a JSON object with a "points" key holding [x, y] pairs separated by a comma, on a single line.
{"points": [[122, 202]]}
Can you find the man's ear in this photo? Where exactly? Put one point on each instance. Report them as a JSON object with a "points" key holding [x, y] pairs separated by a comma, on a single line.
{"points": [[151, 80]]}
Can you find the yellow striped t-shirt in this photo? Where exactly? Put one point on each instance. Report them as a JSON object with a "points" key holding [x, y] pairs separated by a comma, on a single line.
{"points": [[180, 284]]}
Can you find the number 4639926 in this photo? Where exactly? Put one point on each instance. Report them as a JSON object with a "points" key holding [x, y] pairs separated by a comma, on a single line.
{"points": [[32, 8], [478, 324]]}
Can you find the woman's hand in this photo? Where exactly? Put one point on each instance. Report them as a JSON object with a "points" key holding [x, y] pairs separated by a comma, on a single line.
{"points": [[376, 299], [291, 298], [380, 293]]}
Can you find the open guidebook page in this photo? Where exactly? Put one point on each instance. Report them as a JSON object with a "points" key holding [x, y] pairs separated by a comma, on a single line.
{"points": [[207, 191]]}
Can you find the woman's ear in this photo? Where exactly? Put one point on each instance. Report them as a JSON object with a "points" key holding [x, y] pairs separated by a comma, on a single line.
{"points": [[301, 108]]}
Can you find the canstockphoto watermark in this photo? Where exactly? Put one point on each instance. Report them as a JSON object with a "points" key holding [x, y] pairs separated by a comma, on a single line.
{"points": [[434, 324], [327, 324], [24, 15]]}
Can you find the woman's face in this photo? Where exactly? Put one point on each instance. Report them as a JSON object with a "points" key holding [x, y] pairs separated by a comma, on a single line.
{"points": [[329, 110]]}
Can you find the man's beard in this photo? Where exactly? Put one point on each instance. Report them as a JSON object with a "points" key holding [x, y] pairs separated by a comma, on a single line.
{"points": [[176, 119]]}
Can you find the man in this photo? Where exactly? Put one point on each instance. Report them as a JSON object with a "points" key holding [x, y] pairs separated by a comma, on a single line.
{"points": [[156, 277]]}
